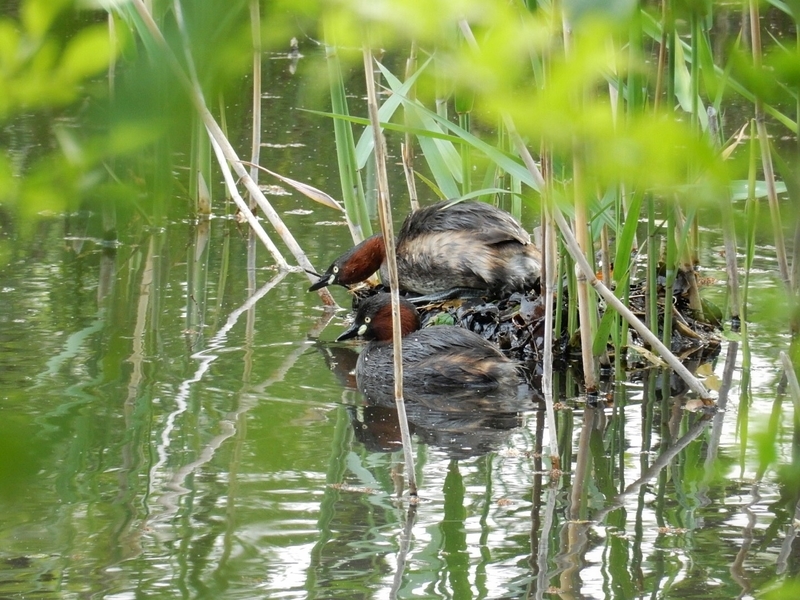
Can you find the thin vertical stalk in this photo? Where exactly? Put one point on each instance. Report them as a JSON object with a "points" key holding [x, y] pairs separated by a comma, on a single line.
{"points": [[255, 149], [695, 70], [561, 258], [572, 296], [729, 235], [685, 227], [582, 235], [464, 121], [651, 300], [662, 55], [605, 254], [766, 156], [402, 553], [463, 102], [670, 266], [197, 284], [751, 218], [407, 150], [550, 271], [384, 209]]}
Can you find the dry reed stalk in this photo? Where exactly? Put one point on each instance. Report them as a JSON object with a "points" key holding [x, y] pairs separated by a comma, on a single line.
{"points": [[582, 235], [385, 211], [586, 324], [255, 226], [550, 251], [192, 87]]}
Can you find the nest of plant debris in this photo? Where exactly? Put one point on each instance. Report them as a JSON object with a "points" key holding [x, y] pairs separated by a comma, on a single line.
{"points": [[516, 322]]}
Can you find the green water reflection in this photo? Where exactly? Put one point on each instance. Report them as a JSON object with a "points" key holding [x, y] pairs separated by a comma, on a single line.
{"points": [[161, 442], [176, 425]]}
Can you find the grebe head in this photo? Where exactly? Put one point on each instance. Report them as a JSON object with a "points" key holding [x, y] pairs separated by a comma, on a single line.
{"points": [[355, 265], [374, 319]]}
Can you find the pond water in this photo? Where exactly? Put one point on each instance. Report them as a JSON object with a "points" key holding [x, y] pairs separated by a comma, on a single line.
{"points": [[176, 425]]}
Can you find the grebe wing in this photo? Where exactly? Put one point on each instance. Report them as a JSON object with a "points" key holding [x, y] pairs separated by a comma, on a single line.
{"points": [[489, 225]]}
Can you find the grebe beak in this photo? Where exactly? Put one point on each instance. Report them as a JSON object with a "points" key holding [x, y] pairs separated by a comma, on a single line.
{"points": [[324, 280], [353, 331]]}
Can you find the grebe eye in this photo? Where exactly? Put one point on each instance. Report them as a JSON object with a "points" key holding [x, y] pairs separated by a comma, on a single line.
{"points": [[368, 320], [335, 269]]}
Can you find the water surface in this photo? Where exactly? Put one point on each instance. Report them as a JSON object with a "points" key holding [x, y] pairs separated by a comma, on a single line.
{"points": [[174, 424]]}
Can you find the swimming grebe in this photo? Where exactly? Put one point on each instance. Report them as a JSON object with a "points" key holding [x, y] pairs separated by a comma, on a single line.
{"points": [[448, 247], [437, 359]]}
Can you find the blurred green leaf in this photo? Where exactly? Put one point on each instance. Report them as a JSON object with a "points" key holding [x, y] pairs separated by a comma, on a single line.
{"points": [[38, 15], [788, 589], [9, 46], [88, 53]]}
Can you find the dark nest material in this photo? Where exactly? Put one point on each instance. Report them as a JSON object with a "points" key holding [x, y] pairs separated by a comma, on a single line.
{"points": [[516, 324]]}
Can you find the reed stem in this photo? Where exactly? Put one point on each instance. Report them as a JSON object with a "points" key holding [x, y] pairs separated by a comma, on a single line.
{"points": [[385, 211], [766, 155], [255, 149], [651, 300], [582, 236], [550, 278], [670, 266]]}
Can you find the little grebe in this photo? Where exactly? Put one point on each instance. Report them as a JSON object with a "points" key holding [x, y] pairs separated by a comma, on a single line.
{"points": [[448, 247], [437, 359]]}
